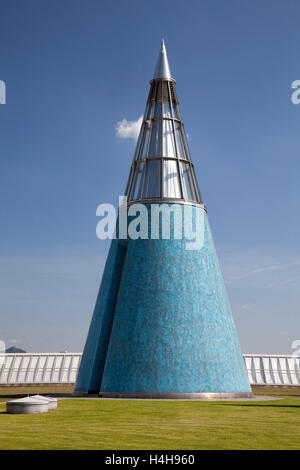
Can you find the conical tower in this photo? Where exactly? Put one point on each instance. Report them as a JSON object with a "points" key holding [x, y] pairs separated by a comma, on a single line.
{"points": [[162, 324]]}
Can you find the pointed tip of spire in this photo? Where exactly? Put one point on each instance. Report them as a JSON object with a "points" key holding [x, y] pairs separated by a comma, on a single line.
{"points": [[162, 69]]}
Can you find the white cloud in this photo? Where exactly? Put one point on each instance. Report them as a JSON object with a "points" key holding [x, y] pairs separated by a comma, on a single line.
{"points": [[129, 129]]}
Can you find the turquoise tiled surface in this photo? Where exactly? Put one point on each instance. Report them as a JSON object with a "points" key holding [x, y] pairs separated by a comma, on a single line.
{"points": [[162, 323]]}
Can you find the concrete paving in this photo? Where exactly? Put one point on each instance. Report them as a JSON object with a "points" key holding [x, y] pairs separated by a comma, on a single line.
{"points": [[255, 398]]}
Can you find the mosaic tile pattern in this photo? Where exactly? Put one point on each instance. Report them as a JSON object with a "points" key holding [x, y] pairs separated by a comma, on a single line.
{"points": [[94, 354], [162, 323]]}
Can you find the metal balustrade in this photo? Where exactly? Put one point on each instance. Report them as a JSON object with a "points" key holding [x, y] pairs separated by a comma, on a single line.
{"points": [[272, 369], [36, 368]]}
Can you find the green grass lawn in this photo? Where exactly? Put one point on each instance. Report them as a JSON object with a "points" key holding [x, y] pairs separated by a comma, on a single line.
{"points": [[276, 391], [134, 424]]}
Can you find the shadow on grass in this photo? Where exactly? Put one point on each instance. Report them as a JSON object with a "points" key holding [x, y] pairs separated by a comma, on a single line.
{"points": [[259, 405]]}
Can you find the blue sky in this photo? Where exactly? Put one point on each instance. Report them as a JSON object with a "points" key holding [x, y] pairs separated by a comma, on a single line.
{"points": [[73, 70]]}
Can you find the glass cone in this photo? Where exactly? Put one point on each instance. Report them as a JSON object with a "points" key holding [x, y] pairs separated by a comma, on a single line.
{"points": [[162, 166]]}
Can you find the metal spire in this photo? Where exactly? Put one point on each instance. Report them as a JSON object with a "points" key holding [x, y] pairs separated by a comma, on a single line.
{"points": [[162, 168], [162, 69]]}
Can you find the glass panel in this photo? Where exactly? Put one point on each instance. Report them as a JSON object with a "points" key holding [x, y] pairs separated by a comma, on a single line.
{"points": [[137, 183], [197, 191], [171, 179], [180, 150], [158, 93], [166, 109], [158, 110], [143, 151], [129, 182], [152, 92], [165, 91], [166, 101], [138, 145], [155, 142], [168, 140], [152, 179], [150, 110], [187, 182], [174, 102], [175, 111], [185, 144]]}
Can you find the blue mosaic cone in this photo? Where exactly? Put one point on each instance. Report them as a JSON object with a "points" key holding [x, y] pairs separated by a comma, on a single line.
{"points": [[162, 324]]}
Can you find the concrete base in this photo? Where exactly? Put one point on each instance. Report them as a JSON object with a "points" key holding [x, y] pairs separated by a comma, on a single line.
{"points": [[77, 393], [252, 399], [177, 396]]}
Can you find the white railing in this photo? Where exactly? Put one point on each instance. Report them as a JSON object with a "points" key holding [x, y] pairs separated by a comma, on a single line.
{"points": [[62, 368], [35, 368], [273, 369]]}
